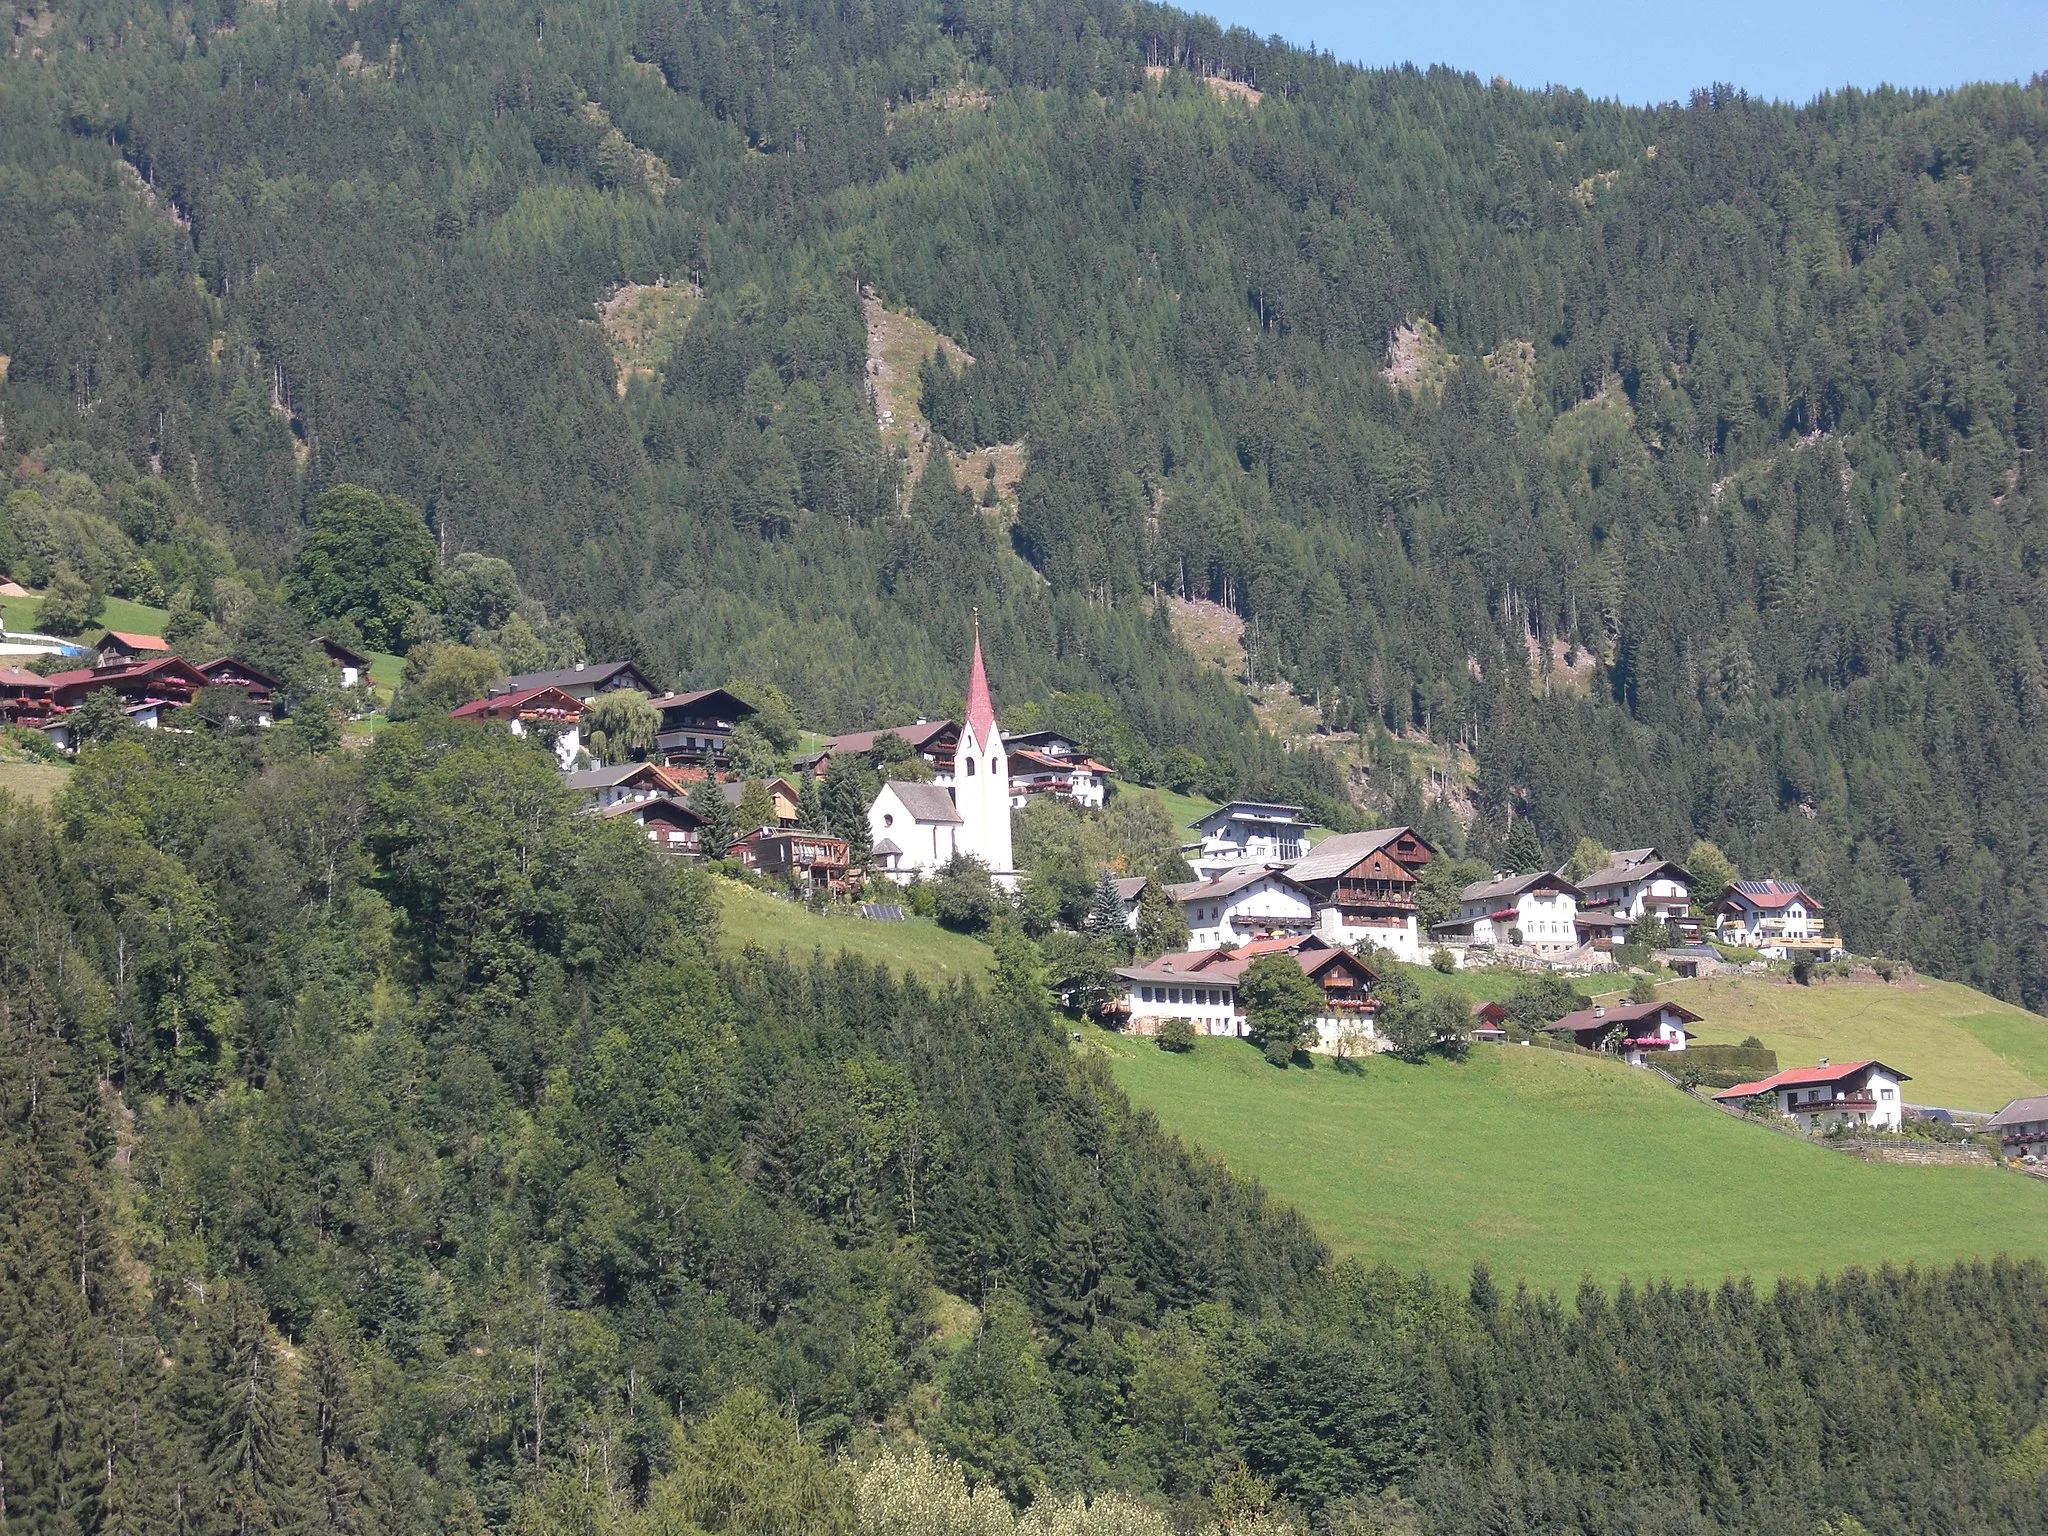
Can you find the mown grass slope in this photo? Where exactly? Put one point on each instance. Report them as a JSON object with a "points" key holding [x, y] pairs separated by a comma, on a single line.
{"points": [[1552, 1166], [1964, 1050], [917, 944]]}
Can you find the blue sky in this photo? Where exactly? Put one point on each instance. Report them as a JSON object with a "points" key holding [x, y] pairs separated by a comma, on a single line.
{"points": [[1640, 52]]}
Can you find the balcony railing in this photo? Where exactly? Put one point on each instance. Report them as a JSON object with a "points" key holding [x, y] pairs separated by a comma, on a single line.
{"points": [[1848, 1103], [1367, 896]]}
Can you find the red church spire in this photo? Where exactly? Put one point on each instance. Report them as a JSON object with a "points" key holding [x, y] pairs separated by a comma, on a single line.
{"points": [[981, 711]]}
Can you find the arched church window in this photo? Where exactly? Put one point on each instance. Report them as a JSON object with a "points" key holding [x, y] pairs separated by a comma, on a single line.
{"points": [[995, 765], [970, 767]]}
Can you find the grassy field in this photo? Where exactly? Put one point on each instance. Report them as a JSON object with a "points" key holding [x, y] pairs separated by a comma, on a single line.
{"points": [[916, 944], [20, 614], [1962, 1049], [1552, 1166], [1185, 810], [33, 781]]}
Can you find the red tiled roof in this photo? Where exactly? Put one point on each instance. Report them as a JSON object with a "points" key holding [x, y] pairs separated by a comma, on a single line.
{"points": [[139, 642], [981, 710], [495, 706], [1807, 1077]]}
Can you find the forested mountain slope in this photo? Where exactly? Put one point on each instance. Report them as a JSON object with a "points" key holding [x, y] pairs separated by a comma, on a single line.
{"points": [[1713, 510]]}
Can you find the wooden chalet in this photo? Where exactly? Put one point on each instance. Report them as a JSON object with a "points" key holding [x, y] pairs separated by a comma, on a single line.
{"points": [[672, 826], [232, 672], [545, 712], [602, 788], [24, 697], [814, 858], [696, 727], [168, 680], [1201, 986]]}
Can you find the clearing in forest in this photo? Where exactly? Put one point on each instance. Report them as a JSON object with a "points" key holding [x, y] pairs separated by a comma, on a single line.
{"points": [[1551, 1166], [642, 323], [899, 342], [917, 944]]}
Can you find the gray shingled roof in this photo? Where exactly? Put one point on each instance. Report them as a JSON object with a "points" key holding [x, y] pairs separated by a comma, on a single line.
{"points": [[2020, 1112], [1130, 889], [598, 673], [1623, 872], [1333, 855], [1513, 885], [1225, 885], [602, 778], [927, 802]]}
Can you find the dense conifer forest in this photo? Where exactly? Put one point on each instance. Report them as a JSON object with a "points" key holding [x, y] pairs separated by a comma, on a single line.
{"points": [[384, 1147], [1709, 506]]}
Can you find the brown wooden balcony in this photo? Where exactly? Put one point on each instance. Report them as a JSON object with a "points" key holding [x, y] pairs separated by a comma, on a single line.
{"points": [[1400, 898], [1845, 1104]]}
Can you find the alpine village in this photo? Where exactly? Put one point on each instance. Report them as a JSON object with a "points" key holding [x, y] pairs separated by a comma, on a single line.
{"points": [[979, 769]]}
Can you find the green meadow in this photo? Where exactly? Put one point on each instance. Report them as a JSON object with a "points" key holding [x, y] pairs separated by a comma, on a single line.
{"points": [[1552, 1166], [917, 944]]}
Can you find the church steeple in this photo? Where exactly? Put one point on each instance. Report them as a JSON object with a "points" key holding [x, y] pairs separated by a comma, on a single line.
{"points": [[981, 710]]}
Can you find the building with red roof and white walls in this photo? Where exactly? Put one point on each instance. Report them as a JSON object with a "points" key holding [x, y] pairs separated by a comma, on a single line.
{"points": [[1773, 916], [1865, 1093], [981, 778]]}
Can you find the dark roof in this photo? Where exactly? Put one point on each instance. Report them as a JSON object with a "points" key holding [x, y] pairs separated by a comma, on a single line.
{"points": [[1130, 888], [1624, 873], [340, 652], [1253, 810], [1515, 885], [886, 845], [926, 802], [740, 707], [913, 735], [599, 673], [1620, 1013], [2020, 1112], [240, 666], [663, 804], [21, 677]]}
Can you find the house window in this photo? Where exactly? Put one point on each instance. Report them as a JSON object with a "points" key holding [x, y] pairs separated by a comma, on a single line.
{"points": [[1884, 1093], [888, 818]]}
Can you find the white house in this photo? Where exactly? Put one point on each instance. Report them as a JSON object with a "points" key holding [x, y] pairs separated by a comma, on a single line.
{"points": [[1248, 832], [1130, 891], [1771, 915], [1633, 1031], [1045, 762], [2023, 1127], [546, 712], [1855, 1093], [1245, 903], [915, 829], [1534, 911], [1637, 882], [1364, 887], [1200, 986]]}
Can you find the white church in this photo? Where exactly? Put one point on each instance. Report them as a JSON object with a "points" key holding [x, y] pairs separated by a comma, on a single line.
{"points": [[917, 828]]}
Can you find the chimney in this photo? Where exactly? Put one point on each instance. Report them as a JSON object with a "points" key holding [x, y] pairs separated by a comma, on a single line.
{"points": [[1599, 1011], [1823, 1061]]}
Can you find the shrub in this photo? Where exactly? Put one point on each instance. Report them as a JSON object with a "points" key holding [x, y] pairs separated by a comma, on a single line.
{"points": [[1176, 1035], [1443, 960]]}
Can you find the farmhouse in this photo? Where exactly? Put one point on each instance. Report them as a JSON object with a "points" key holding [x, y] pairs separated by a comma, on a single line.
{"points": [[1363, 886], [146, 689], [1079, 779], [1200, 986], [2023, 1127], [1534, 911], [696, 727], [547, 713], [1242, 904], [1489, 1021], [1854, 1093], [1634, 1031], [1248, 832], [1771, 915], [584, 681], [1636, 883]]}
